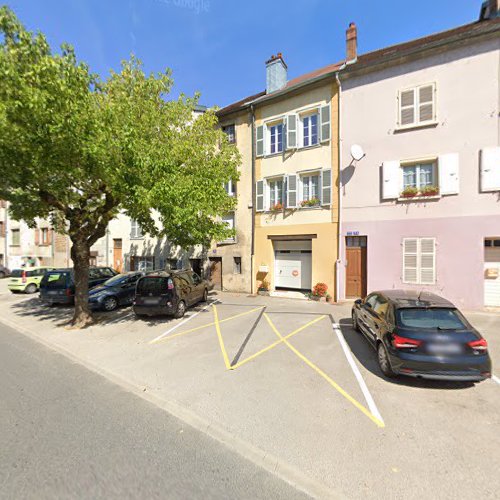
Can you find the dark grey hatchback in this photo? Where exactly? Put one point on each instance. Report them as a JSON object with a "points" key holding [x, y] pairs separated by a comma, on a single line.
{"points": [[168, 293], [420, 334]]}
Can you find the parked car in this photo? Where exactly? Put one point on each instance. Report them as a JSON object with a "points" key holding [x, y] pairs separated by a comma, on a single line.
{"points": [[116, 291], [169, 292], [58, 285], [420, 334], [27, 279], [4, 272]]}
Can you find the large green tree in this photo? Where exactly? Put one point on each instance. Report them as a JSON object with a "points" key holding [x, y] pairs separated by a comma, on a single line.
{"points": [[78, 150]]}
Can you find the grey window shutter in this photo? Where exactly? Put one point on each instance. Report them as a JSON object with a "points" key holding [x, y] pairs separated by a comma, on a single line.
{"points": [[259, 141], [291, 191], [291, 131], [326, 187], [259, 196], [324, 118]]}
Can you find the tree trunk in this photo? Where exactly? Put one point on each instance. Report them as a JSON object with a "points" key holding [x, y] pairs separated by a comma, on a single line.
{"points": [[80, 254]]}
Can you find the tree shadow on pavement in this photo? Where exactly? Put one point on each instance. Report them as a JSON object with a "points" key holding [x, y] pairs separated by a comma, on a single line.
{"points": [[60, 315], [367, 356]]}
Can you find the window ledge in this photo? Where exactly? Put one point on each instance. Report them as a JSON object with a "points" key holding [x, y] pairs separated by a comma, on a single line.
{"points": [[137, 237], [408, 128], [419, 198], [316, 207], [227, 242], [271, 155]]}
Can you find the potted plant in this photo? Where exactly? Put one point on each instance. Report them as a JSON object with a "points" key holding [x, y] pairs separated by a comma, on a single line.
{"points": [[319, 291], [313, 202], [263, 288], [429, 191], [277, 207], [409, 192]]}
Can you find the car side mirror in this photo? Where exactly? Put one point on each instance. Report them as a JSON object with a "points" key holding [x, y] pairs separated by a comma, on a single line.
{"points": [[358, 302]]}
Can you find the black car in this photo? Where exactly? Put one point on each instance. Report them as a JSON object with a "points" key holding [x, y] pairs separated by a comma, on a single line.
{"points": [[58, 286], [4, 272], [169, 292], [116, 291], [421, 335]]}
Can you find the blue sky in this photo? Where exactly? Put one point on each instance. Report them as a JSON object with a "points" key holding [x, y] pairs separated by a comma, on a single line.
{"points": [[218, 47]]}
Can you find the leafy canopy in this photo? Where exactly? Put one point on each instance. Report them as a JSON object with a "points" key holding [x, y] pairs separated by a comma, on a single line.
{"points": [[79, 149]]}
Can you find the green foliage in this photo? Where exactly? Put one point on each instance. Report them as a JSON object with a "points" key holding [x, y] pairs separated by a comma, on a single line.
{"points": [[79, 149]]}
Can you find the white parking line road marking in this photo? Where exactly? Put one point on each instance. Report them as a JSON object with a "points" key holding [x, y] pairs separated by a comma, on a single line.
{"points": [[362, 384], [495, 378], [183, 322]]}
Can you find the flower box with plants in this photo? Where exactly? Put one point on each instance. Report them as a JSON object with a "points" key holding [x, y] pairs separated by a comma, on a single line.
{"points": [[429, 191], [319, 291], [277, 207], [313, 202], [263, 288], [409, 192]]}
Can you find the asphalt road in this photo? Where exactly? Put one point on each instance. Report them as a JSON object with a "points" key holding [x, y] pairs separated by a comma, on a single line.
{"points": [[66, 432]]}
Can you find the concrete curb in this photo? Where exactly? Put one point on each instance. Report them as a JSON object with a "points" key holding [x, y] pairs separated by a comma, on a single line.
{"points": [[266, 461]]}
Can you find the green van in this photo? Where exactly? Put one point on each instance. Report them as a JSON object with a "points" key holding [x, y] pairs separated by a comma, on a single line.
{"points": [[27, 279]]}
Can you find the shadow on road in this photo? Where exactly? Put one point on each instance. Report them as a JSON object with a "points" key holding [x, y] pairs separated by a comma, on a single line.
{"points": [[367, 356]]}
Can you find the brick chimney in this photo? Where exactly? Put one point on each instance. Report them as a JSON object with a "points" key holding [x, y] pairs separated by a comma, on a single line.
{"points": [[276, 73], [352, 42]]}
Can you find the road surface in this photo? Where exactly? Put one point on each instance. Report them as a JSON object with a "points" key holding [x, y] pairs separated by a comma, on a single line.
{"points": [[66, 432]]}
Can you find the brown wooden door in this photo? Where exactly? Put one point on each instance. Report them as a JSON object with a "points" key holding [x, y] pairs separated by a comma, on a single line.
{"points": [[356, 272], [216, 272], [117, 255]]}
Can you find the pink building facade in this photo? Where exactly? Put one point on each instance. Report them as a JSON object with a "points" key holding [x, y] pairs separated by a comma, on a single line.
{"points": [[421, 208]]}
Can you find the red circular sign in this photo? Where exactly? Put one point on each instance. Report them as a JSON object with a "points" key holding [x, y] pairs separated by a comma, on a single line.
{"points": [[295, 273]]}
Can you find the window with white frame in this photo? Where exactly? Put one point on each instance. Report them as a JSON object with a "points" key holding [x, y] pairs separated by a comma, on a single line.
{"points": [[417, 105], [275, 190], [420, 177], [275, 138], [228, 219], [230, 132], [310, 189], [310, 130], [230, 188], [135, 229], [419, 261]]}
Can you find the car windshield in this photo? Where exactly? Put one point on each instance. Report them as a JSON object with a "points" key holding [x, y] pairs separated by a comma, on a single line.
{"points": [[431, 318], [153, 285], [54, 280], [116, 280]]}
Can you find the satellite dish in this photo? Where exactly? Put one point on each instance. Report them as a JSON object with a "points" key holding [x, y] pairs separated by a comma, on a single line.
{"points": [[357, 152]]}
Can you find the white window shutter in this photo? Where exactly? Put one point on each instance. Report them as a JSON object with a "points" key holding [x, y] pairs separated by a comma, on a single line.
{"points": [[291, 191], [426, 108], [490, 169], [392, 180], [407, 105], [259, 196], [291, 131], [410, 260], [325, 125], [326, 187], [427, 262], [260, 141], [448, 173]]}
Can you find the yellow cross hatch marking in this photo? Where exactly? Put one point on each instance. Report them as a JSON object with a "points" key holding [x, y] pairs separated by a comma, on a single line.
{"points": [[332, 382], [221, 341]]}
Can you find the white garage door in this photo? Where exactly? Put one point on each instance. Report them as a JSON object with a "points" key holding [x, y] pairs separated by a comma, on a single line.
{"points": [[492, 273], [293, 264]]}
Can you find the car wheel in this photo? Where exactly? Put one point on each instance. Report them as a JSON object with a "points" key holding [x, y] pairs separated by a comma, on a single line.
{"points": [[355, 323], [110, 304], [205, 295], [31, 288], [383, 361], [181, 309]]}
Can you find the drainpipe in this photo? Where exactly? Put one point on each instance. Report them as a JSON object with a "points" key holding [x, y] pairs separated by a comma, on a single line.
{"points": [[340, 259], [7, 230], [253, 197]]}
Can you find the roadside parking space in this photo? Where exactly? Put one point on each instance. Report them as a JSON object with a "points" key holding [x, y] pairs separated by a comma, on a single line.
{"points": [[283, 340]]}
